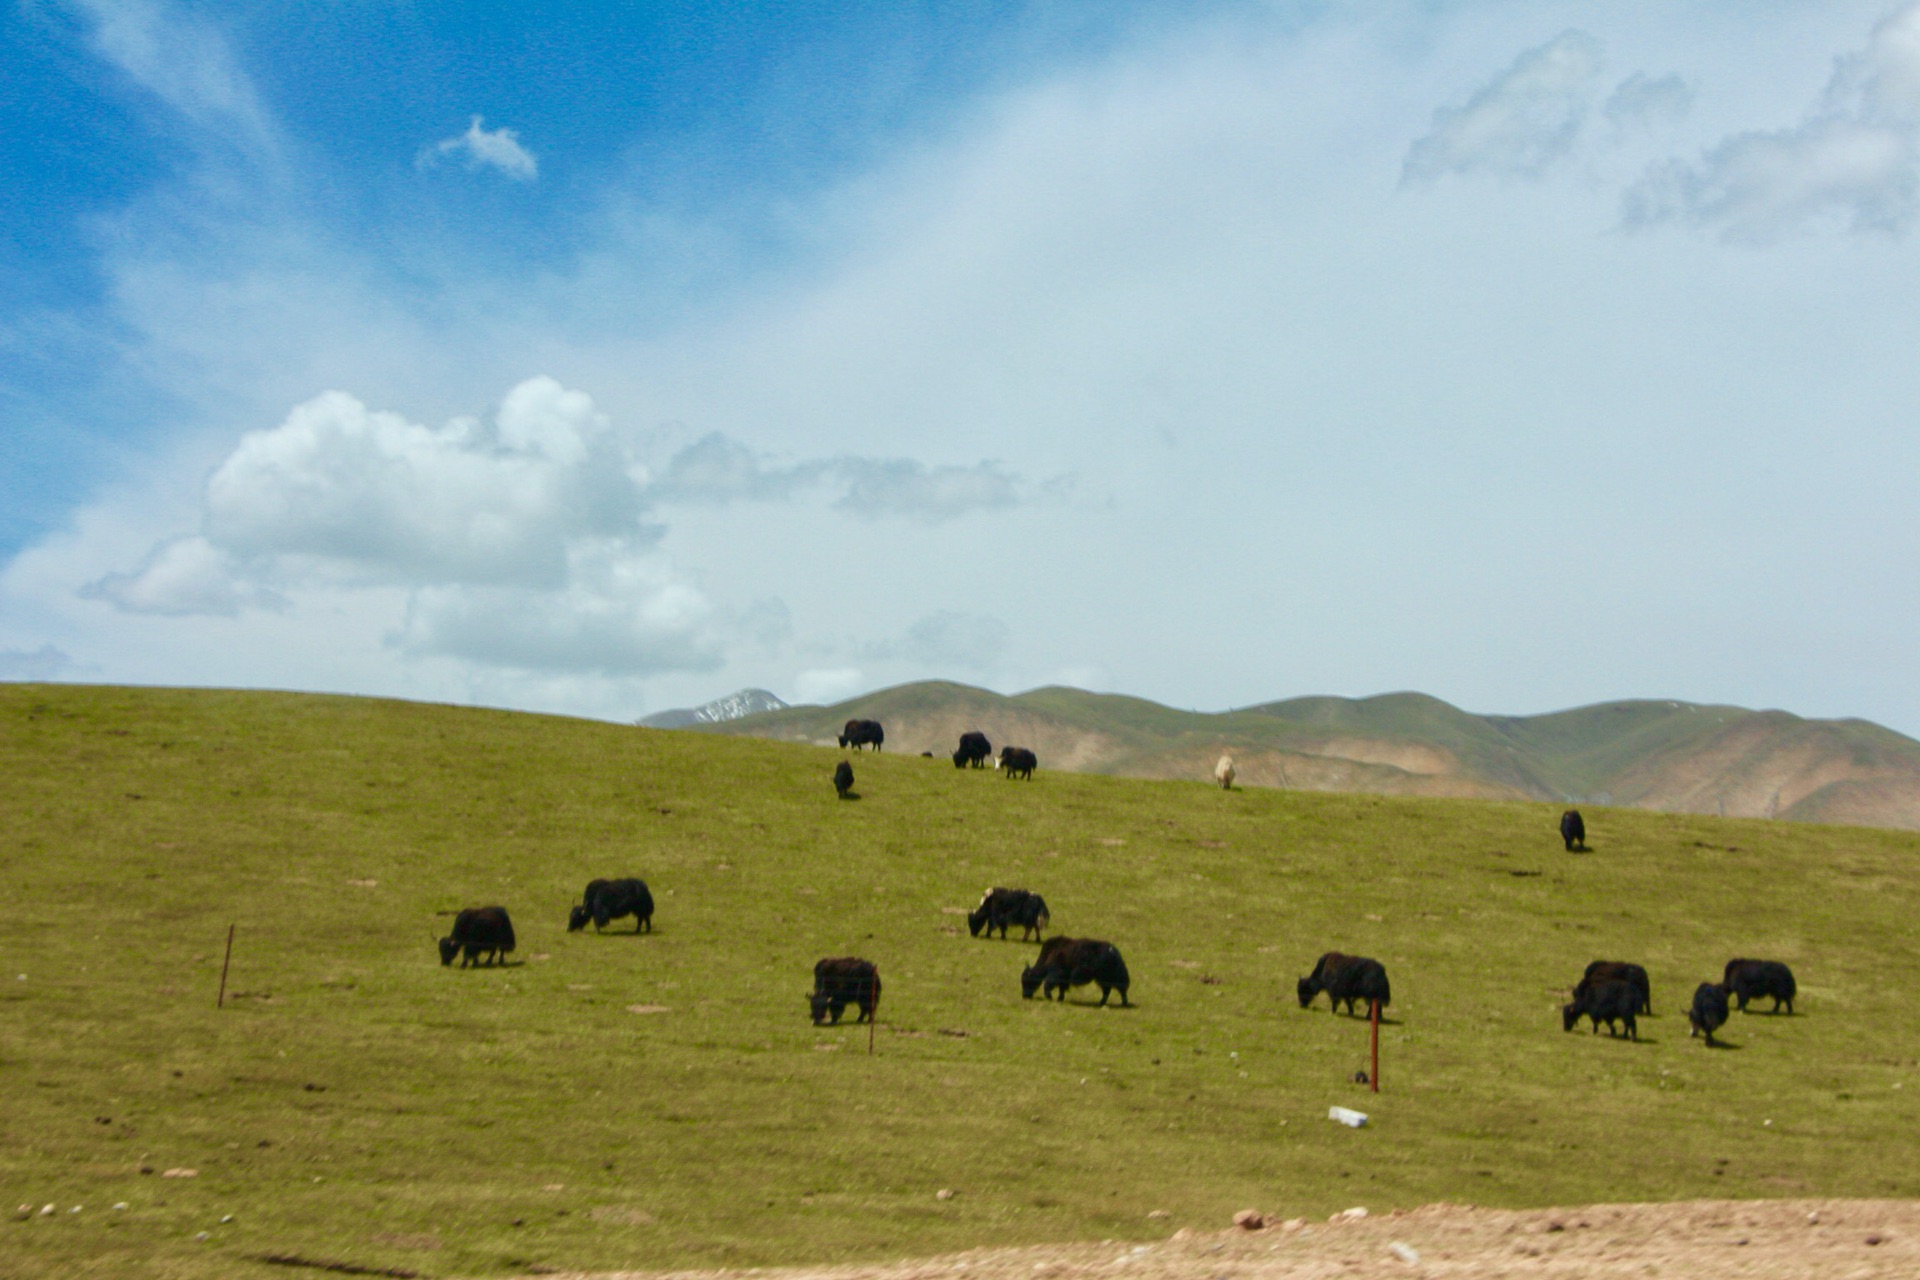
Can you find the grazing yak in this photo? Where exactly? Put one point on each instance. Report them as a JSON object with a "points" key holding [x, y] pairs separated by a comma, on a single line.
{"points": [[862, 733], [840, 982], [1223, 772], [478, 931], [1573, 830], [607, 900], [1018, 761], [974, 751], [1750, 979], [1074, 962], [843, 779], [1346, 978], [1709, 1012], [1619, 971], [1606, 1000], [1001, 907]]}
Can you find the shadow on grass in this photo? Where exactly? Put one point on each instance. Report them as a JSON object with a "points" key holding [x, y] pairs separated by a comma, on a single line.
{"points": [[1722, 1044]]}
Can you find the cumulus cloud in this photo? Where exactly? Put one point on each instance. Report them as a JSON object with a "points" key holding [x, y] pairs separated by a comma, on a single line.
{"points": [[370, 496], [44, 663], [617, 614], [1853, 160], [499, 149], [182, 577], [947, 639], [1518, 124], [1642, 101]]}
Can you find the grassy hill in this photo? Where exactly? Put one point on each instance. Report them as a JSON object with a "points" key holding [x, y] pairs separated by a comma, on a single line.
{"points": [[1672, 756], [356, 1102]]}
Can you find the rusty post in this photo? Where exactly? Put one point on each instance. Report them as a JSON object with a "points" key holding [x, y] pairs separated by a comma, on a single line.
{"points": [[221, 1001]]}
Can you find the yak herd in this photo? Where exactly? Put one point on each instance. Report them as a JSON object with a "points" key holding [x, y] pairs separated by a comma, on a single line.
{"points": [[1612, 992]]}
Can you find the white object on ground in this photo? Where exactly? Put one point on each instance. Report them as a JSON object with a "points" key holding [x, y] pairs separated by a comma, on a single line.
{"points": [[1346, 1116]]}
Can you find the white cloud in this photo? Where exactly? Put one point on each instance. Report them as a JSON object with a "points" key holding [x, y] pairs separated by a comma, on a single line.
{"points": [[1854, 160], [1522, 121], [368, 495], [182, 577], [719, 470], [618, 614], [499, 149]]}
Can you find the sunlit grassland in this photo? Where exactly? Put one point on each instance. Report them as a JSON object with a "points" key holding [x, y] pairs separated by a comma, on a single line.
{"points": [[356, 1101]]}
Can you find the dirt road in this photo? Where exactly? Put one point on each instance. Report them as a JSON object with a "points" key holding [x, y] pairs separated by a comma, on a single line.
{"points": [[1698, 1240]]}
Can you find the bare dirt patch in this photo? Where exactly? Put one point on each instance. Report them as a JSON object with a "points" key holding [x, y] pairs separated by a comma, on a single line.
{"points": [[1700, 1240]]}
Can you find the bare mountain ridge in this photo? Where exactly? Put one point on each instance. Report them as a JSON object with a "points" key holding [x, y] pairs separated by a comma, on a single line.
{"points": [[1664, 755]]}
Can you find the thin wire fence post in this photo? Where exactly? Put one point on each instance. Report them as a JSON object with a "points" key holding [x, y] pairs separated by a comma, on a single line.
{"points": [[221, 1001], [1373, 1077]]}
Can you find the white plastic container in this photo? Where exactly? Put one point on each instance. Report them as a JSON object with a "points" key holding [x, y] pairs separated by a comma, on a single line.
{"points": [[1350, 1118]]}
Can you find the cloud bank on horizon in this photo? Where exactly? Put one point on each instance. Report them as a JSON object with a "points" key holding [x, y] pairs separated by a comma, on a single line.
{"points": [[1527, 358]]}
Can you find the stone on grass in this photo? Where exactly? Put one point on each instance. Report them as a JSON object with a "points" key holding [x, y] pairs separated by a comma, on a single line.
{"points": [[181, 1173], [944, 1193], [1249, 1220]]}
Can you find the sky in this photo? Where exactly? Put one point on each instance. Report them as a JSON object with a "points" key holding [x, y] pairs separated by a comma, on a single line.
{"points": [[606, 359]]}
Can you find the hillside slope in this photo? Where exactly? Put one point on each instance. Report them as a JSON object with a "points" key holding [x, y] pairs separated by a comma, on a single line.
{"points": [[1671, 756], [662, 1101]]}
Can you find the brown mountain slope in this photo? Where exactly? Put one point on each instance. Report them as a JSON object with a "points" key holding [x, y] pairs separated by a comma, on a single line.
{"points": [[1666, 755]]}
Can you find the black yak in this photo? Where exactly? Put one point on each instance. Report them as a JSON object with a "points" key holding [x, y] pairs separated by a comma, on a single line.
{"points": [[1001, 907], [1619, 971], [1018, 760], [974, 751], [1606, 1000], [862, 733], [1345, 978], [1750, 979], [607, 900], [1573, 830], [840, 982], [843, 779], [1709, 1012], [478, 931], [1074, 962]]}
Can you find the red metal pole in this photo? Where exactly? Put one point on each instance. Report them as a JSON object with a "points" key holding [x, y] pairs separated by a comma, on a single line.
{"points": [[221, 1001], [1374, 1077]]}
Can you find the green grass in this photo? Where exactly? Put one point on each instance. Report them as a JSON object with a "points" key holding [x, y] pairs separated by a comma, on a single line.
{"points": [[355, 1101]]}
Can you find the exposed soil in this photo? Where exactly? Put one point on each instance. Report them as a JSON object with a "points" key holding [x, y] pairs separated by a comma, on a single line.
{"points": [[1698, 1240]]}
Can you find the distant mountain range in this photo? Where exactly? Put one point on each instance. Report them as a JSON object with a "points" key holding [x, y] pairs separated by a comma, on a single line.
{"points": [[734, 706], [1674, 756]]}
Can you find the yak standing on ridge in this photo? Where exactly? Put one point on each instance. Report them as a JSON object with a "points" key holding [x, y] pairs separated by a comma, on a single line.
{"points": [[974, 751], [1573, 830], [862, 733]]}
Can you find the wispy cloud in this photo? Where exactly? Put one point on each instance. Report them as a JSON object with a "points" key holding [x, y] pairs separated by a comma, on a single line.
{"points": [[1520, 122], [183, 61], [716, 469], [498, 149], [1853, 160], [945, 640]]}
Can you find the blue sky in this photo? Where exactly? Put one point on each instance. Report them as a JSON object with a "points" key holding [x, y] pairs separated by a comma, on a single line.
{"points": [[1529, 354]]}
